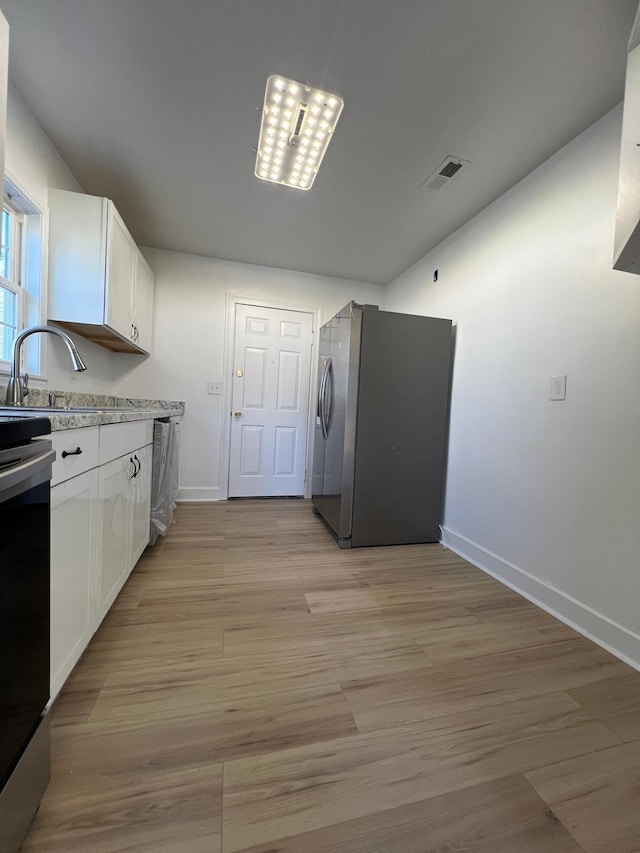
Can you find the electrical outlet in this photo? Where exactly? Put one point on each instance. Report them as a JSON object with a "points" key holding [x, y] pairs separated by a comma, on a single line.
{"points": [[214, 387], [558, 387]]}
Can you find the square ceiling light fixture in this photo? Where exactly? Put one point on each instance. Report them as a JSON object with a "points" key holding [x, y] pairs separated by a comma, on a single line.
{"points": [[297, 125]]}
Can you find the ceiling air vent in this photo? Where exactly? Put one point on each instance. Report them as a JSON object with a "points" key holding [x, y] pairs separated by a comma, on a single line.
{"points": [[443, 174]]}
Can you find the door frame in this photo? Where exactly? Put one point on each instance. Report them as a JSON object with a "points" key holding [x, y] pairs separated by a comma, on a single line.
{"points": [[232, 301]]}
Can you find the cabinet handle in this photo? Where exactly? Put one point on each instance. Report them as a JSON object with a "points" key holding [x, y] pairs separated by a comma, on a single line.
{"points": [[133, 465], [139, 466], [75, 452]]}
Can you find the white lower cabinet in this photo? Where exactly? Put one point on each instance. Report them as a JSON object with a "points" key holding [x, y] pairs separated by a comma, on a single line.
{"points": [[115, 505], [125, 497], [141, 507], [99, 529], [74, 540]]}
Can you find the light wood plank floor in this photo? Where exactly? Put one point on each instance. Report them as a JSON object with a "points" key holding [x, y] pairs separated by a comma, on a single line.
{"points": [[257, 690]]}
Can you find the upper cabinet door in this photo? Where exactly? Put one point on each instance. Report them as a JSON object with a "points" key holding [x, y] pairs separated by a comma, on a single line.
{"points": [[121, 261], [143, 304], [4, 64], [627, 239]]}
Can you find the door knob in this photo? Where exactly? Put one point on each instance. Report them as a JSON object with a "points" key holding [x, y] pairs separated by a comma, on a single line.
{"points": [[237, 414]]}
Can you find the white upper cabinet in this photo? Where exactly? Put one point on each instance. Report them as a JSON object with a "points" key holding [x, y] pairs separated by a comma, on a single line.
{"points": [[121, 270], [4, 68], [627, 239], [142, 311], [94, 274]]}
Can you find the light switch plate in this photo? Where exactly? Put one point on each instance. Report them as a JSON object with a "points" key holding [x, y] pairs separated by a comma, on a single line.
{"points": [[558, 387], [214, 387]]}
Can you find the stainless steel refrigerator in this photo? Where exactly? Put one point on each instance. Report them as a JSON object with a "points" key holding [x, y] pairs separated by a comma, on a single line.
{"points": [[381, 426]]}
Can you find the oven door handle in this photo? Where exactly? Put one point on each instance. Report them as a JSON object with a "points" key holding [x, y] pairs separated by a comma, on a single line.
{"points": [[36, 469]]}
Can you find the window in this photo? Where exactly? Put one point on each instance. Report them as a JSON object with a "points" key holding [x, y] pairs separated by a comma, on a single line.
{"points": [[11, 293], [20, 276]]}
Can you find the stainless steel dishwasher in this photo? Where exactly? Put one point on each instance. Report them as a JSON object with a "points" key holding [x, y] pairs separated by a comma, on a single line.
{"points": [[164, 478]]}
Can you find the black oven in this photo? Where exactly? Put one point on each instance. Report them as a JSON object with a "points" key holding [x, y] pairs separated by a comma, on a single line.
{"points": [[25, 472]]}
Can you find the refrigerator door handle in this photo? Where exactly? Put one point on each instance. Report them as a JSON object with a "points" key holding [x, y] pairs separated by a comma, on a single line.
{"points": [[321, 393], [327, 407]]}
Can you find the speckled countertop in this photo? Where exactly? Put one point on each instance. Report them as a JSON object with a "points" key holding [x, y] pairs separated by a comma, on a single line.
{"points": [[104, 409]]}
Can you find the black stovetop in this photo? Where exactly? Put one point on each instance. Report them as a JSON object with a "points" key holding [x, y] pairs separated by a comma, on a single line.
{"points": [[19, 430]]}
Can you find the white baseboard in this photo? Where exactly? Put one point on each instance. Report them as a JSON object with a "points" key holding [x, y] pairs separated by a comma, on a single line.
{"points": [[200, 493], [615, 638]]}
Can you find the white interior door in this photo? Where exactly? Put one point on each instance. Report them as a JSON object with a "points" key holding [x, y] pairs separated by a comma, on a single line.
{"points": [[270, 400]]}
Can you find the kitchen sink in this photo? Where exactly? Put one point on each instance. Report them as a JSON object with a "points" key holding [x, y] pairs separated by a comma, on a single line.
{"points": [[66, 410], [81, 409]]}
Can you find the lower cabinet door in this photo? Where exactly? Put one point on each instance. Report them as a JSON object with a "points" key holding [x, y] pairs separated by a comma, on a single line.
{"points": [[74, 543], [115, 493], [141, 504]]}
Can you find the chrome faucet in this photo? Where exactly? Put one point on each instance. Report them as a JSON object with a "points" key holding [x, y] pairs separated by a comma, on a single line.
{"points": [[17, 389]]}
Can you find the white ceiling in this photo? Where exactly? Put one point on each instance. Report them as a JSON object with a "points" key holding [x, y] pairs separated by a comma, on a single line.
{"points": [[153, 104]]}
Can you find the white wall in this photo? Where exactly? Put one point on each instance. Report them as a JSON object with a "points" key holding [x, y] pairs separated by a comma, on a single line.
{"points": [[189, 342], [35, 165], [546, 494]]}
